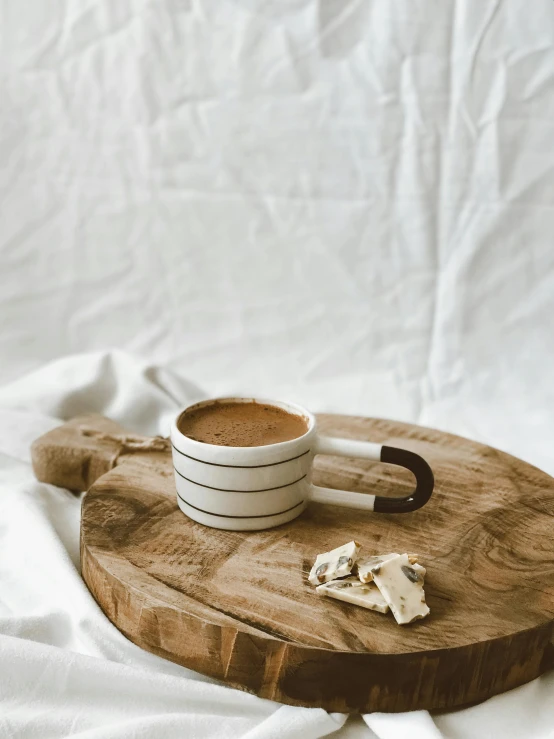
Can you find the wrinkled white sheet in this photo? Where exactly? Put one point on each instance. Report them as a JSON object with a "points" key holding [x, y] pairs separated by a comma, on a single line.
{"points": [[349, 203]]}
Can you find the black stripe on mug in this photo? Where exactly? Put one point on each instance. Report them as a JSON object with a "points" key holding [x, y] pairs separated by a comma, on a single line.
{"points": [[240, 466], [222, 515], [225, 490]]}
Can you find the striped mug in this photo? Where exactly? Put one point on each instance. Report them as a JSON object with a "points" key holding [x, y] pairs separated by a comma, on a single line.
{"points": [[259, 487]]}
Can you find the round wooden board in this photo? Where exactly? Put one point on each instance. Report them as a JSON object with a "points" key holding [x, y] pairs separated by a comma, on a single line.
{"points": [[237, 605]]}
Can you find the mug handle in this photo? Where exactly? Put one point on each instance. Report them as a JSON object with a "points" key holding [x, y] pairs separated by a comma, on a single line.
{"points": [[378, 453]]}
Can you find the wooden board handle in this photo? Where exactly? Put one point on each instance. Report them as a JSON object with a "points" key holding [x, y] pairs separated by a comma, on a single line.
{"points": [[77, 453]]}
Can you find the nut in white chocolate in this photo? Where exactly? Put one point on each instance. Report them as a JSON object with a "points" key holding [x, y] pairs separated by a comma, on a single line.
{"points": [[401, 585], [366, 566], [336, 563], [351, 590]]}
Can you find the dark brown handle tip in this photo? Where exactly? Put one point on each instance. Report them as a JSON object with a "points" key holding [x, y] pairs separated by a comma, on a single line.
{"points": [[425, 481]]}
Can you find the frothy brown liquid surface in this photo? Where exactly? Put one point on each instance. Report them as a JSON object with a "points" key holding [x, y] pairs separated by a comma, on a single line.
{"points": [[241, 424]]}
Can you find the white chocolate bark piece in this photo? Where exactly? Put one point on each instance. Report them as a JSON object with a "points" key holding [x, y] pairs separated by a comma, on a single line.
{"points": [[336, 563], [401, 586], [351, 590], [365, 567]]}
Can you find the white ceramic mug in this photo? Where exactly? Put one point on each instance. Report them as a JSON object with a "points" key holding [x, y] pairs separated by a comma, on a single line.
{"points": [[259, 487]]}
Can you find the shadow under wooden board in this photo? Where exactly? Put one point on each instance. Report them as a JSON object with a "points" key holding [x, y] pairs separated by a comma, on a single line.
{"points": [[237, 605]]}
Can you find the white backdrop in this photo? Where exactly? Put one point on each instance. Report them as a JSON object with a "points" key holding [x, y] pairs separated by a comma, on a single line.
{"points": [[349, 203]]}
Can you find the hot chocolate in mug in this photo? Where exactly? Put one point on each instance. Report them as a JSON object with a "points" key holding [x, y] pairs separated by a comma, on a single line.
{"points": [[248, 488]]}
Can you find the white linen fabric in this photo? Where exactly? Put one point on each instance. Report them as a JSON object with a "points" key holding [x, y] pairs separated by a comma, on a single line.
{"points": [[346, 203]]}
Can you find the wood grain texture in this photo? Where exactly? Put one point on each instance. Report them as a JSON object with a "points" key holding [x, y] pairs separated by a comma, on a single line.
{"points": [[237, 605]]}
